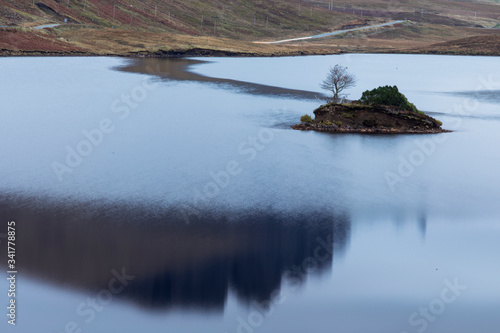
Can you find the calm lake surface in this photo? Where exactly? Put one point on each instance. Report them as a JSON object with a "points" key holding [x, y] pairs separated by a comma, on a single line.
{"points": [[161, 195]]}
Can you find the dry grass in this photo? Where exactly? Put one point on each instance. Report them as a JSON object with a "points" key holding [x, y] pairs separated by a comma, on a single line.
{"points": [[138, 31], [110, 41], [475, 45]]}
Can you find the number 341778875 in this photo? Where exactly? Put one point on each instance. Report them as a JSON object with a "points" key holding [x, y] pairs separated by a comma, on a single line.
{"points": [[11, 237]]}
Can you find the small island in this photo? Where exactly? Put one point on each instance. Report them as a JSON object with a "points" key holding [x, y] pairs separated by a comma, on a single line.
{"points": [[359, 118], [381, 110]]}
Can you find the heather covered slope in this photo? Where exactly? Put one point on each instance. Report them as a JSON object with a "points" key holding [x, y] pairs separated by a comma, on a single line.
{"points": [[237, 19], [125, 27]]}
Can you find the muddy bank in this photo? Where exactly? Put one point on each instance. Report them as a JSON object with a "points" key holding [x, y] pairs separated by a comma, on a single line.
{"points": [[174, 53], [205, 52]]}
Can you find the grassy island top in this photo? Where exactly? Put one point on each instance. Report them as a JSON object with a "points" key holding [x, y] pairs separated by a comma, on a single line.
{"points": [[381, 110]]}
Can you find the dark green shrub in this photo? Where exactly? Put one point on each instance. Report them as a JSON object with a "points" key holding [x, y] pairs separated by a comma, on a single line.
{"points": [[387, 95], [306, 119]]}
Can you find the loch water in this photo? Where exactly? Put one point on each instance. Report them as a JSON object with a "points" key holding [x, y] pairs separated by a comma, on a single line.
{"points": [[172, 195]]}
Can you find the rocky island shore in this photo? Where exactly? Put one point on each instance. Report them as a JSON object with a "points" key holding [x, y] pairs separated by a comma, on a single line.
{"points": [[359, 118]]}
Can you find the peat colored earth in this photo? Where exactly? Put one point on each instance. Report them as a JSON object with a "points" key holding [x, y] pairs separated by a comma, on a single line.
{"points": [[356, 118]]}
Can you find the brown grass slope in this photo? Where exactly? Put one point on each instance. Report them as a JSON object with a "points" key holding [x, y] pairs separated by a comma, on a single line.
{"points": [[161, 27], [476, 45]]}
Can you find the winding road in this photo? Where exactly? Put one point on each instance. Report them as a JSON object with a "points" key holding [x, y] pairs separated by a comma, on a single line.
{"points": [[47, 26], [327, 34]]}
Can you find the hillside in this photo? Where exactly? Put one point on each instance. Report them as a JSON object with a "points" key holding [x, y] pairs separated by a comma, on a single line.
{"points": [[226, 18], [128, 27]]}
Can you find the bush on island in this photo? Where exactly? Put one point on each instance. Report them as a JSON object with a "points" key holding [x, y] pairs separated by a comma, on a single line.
{"points": [[306, 119], [387, 95]]}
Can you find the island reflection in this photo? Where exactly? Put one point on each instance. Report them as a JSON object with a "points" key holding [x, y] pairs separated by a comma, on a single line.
{"points": [[174, 263], [169, 69]]}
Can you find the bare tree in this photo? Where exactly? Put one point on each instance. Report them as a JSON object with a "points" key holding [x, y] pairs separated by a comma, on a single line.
{"points": [[338, 79]]}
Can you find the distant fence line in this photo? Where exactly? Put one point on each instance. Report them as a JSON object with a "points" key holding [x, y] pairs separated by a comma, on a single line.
{"points": [[211, 22]]}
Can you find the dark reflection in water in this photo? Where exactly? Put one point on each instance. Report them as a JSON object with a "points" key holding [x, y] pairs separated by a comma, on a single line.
{"points": [[175, 264], [178, 70]]}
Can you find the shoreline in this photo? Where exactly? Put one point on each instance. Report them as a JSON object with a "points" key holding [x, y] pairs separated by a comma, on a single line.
{"points": [[362, 118], [209, 52], [303, 127]]}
